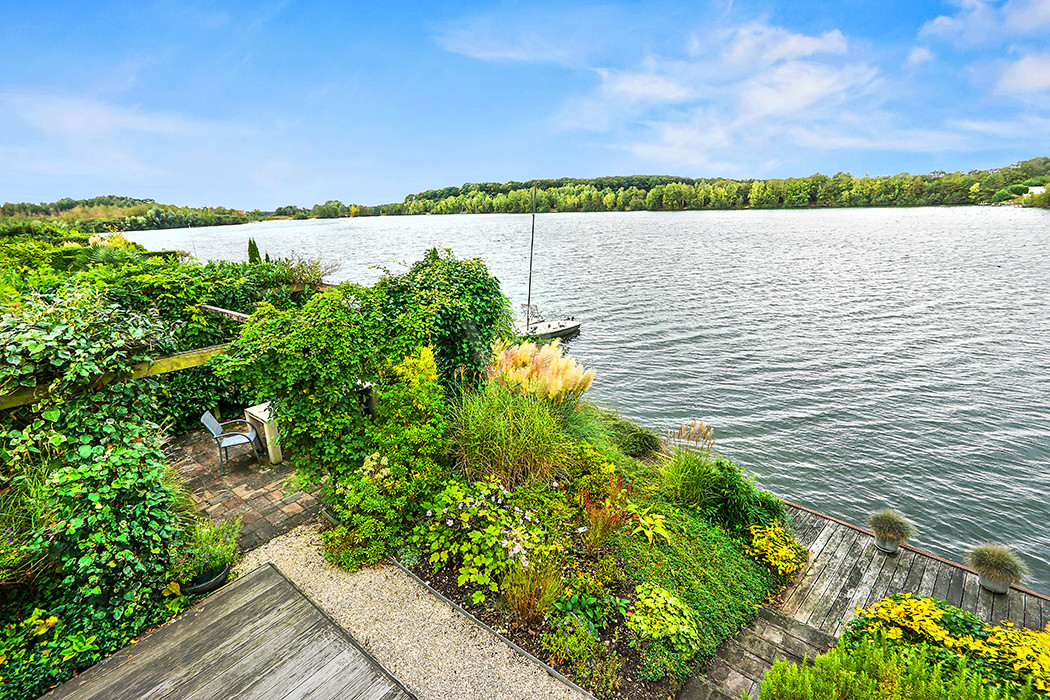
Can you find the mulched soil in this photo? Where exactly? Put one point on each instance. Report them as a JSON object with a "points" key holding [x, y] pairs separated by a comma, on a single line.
{"points": [[444, 581]]}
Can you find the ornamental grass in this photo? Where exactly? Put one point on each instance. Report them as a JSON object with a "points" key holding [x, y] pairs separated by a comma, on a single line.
{"points": [[541, 370]]}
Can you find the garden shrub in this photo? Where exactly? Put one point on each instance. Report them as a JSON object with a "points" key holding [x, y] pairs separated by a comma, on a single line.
{"points": [[875, 670], [407, 435], [594, 664], [691, 478], [1002, 654], [774, 546], [499, 432], [659, 615], [476, 529], [463, 305], [633, 440]]}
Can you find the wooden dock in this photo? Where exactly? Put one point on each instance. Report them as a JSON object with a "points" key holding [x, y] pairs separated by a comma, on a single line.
{"points": [[258, 637], [846, 571]]}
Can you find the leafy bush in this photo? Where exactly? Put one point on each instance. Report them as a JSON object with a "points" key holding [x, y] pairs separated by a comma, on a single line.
{"points": [[502, 433], [774, 546], [408, 436], [476, 529], [658, 614], [1002, 654], [596, 665], [875, 670], [707, 572], [633, 440], [462, 305], [741, 503]]}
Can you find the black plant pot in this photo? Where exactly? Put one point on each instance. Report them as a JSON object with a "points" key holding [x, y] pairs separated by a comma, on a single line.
{"points": [[206, 582]]}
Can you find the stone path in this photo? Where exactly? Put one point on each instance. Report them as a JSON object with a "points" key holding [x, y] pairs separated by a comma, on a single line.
{"points": [[257, 493]]}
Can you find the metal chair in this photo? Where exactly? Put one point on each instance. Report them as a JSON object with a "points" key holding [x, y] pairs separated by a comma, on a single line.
{"points": [[225, 440]]}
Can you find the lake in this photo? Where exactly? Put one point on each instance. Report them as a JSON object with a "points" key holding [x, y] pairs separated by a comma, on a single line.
{"points": [[852, 359]]}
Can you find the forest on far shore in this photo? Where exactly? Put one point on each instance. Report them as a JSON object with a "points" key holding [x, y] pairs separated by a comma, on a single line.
{"points": [[111, 213]]}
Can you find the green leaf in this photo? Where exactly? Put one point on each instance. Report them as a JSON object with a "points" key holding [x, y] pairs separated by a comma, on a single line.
{"points": [[84, 451]]}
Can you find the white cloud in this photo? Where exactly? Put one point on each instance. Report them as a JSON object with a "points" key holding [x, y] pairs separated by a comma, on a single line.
{"points": [[84, 119], [982, 22], [566, 37], [795, 86], [644, 87], [758, 43], [1029, 74], [918, 56], [1026, 16]]}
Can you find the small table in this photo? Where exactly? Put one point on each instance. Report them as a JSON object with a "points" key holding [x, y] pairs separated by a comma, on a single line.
{"points": [[266, 428]]}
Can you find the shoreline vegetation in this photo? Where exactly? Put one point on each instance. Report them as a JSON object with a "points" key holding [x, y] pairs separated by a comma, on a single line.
{"points": [[1022, 183], [434, 435]]}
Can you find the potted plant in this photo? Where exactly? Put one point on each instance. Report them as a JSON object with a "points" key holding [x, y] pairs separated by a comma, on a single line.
{"points": [[208, 552], [891, 529], [997, 566]]}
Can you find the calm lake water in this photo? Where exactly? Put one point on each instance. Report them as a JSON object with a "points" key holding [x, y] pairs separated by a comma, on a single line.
{"points": [[852, 359]]}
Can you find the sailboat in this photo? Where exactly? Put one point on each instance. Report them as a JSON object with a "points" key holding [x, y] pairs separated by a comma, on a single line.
{"points": [[534, 325]]}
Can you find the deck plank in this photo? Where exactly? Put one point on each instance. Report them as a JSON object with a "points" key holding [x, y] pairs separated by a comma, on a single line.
{"points": [[858, 582], [1016, 614], [985, 598], [831, 579], [830, 536], [258, 637], [929, 578], [1000, 607], [970, 592], [905, 561], [1031, 612], [891, 564], [955, 587], [944, 575]]}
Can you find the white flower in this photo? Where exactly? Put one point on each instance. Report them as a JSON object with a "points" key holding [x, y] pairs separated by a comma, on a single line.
{"points": [[430, 513], [449, 522]]}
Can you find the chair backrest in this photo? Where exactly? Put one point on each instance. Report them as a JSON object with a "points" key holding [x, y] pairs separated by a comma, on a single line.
{"points": [[211, 424]]}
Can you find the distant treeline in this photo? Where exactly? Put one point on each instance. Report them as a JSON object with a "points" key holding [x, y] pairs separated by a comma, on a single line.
{"points": [[111, 214], [669, 193]]}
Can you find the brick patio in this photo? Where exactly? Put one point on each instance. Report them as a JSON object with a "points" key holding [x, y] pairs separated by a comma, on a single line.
{"points": [[258, 493]]}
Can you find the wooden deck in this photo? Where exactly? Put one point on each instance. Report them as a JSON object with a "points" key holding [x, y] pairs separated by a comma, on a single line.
{"points": [[258, 637], [846, 571]]}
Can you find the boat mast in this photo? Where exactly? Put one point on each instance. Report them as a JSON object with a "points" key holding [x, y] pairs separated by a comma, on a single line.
{"points": [[532, 243]]}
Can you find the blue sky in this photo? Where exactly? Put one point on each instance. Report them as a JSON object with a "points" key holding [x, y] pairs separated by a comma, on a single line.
{"points": [[262, 104]]}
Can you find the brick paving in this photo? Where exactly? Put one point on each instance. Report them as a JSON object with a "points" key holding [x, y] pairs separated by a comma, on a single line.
{"points": [[257, 493]]}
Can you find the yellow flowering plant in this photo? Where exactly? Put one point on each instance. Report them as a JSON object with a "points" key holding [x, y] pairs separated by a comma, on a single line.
{"points": [[1003, 654], [774, 546]]}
